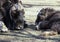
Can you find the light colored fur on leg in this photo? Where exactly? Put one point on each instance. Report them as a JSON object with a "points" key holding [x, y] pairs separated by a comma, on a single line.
{"points": [[3, 27]]}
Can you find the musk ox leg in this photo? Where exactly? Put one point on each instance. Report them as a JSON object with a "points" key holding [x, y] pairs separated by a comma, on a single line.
{"points": [[25, 24], [3, 27], [19, 25], [43, 25], [38, 26], [56, 27], [22, 25]]}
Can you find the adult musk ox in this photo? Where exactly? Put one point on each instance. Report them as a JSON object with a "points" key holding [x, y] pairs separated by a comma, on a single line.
{"points": [[14, 13]]}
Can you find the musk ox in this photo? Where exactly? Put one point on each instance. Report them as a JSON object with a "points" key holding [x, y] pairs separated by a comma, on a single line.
{"points": [[54, 22], [43, 18], [3, 14], [48, 18]]}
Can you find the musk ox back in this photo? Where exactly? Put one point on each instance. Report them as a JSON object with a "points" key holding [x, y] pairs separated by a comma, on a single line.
{"points": [[54, 22]]}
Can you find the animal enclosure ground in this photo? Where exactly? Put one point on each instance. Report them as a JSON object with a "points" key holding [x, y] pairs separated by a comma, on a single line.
{"points": [[26, 35], [32, 7]]}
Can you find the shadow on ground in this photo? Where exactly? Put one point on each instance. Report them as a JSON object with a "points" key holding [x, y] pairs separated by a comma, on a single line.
{"points": [[27, 33]]}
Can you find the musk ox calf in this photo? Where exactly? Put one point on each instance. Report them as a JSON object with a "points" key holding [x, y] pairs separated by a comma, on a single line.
{"points": [[54, 22], [48, 19], [43, 18]]}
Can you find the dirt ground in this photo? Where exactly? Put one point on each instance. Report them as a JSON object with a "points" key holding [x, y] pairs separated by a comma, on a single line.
{"points": [[29, 34]]}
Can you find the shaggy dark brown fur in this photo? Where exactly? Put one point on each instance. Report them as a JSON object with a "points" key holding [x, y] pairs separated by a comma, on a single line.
{"points": [[43, 16], [54, 22], [52, 18]]}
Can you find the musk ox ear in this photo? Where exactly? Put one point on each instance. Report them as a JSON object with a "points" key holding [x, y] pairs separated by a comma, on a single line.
{"points": [[42, 10]]}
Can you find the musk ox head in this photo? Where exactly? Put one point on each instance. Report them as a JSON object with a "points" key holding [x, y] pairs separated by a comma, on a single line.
{"points": [[46, 12]]}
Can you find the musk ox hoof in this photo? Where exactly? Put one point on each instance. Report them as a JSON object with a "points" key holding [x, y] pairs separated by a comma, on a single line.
{"points": [[19, 28], [3, 28], [37, 27]]}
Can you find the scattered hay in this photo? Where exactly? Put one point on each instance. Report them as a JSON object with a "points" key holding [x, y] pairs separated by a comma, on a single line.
{"points": [[49, 33]]}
